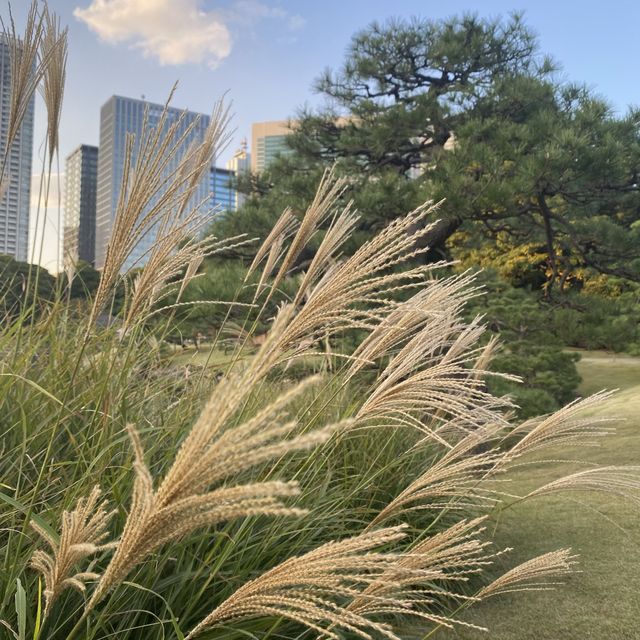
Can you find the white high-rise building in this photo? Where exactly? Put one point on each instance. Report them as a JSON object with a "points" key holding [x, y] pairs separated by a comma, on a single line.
{"points": [[15, 203], [240, 163], [118, 117]]}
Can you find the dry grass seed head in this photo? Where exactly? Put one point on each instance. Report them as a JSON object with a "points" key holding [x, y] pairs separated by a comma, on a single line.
{"points": [[538, 574], [329, 191], [53, 56], [357, 292], [27, 67], [621, 481], [284, 226], [154, 196], [212, 453], [310, 589], [570, 425], [456, 481], [82, 534], [412, 585]]}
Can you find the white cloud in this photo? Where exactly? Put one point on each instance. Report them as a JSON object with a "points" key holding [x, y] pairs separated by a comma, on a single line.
{"points": [[172, 31], [178, 31]]}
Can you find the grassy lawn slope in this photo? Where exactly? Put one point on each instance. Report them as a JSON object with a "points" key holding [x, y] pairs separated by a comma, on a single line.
{"points": [[603, 601]]}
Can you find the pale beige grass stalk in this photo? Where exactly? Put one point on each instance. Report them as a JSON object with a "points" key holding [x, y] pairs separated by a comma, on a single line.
{"points": [[27, 67], [423, 576], [329, 191], [347, 585], [284, 226], [623, 482], [212, 454], [430, 385], [82, 534], [538, 574], [437, 304], [308, 589], [53, 55], [357, 293], [455, 481], [571, 425]]}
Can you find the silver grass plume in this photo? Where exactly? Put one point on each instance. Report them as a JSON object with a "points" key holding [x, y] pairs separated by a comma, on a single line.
{"points": [[311, 589], [212, 454], [53, 57], [27, 67], [423, 576], [154, 197], [82, 534], [572, 425], [273, 248], [621, 481], [357, 292], [329, 191], [538, 574], [455, 481], [433, 384]]}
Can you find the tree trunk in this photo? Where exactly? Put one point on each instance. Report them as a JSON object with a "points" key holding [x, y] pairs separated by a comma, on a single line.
{"points": [[438, 235], [545, 212]]}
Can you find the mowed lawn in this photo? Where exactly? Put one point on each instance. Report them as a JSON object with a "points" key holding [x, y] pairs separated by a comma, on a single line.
{"points": [[603, 601]]}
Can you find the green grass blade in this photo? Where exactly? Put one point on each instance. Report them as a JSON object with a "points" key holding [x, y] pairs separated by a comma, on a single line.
{"points": [[21, 609], [36, 630], [22, 507]]}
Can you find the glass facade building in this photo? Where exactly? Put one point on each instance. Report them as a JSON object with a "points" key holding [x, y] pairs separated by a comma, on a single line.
{"points": [[223, 194], [120, 116], [81, 178], [268, 141], [15, 202]]}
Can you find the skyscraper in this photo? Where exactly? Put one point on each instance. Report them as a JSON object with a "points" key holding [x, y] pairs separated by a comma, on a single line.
{"points": [[81, 177], [268, 141], [240, 163], [118, 117], [14, 204], [223, 194]]}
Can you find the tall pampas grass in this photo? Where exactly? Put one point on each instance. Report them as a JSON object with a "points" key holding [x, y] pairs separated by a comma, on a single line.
{"points": [[53, 59], [538, 574], [211, 454], [255, 437], [307, 589]]}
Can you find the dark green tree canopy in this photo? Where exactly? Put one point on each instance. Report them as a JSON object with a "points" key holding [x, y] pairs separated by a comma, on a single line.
{"points": [[406, 86], [468, 109], [552, 166]]}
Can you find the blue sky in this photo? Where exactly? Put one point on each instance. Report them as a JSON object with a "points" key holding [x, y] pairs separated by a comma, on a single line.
{"points": [[266, 53]]}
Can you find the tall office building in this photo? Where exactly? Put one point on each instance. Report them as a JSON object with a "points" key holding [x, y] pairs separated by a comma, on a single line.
{"points": [[268, 141], [240, 163], [81, 178], [14, 204], [118, 117], [222, 191]]}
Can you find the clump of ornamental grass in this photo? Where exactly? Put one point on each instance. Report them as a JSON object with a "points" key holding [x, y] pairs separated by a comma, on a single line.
{"points": [[213, 453], [223, 454]]}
